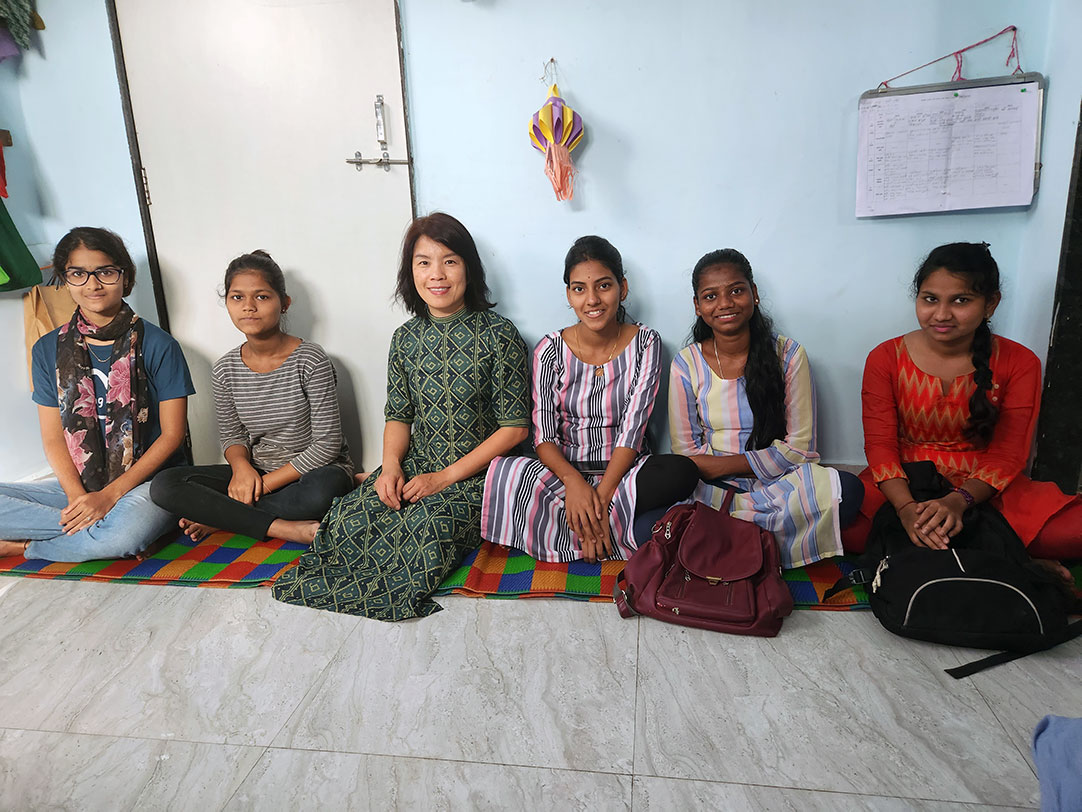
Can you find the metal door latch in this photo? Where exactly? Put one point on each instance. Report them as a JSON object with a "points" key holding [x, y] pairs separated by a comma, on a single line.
{"points": [[385, 160]]}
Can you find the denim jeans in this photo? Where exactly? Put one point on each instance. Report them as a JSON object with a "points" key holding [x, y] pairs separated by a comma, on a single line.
{"points": [[31, 510]]}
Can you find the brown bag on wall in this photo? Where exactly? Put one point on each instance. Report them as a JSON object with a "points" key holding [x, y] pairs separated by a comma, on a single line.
{"points": [[45, 307]]}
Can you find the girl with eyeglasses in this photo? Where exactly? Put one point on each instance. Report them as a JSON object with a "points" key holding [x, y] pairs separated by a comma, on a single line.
{"points": [[112, 394]]}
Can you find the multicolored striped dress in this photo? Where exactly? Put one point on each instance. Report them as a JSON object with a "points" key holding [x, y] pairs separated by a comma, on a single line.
{"points": [[588, 416], [791, 495]]}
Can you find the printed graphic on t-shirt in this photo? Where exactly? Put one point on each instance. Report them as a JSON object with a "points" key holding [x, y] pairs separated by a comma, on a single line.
{"points": [[101, 386]]}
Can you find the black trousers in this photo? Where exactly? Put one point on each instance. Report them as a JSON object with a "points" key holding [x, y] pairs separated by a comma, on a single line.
{"points": [[200, 493]]}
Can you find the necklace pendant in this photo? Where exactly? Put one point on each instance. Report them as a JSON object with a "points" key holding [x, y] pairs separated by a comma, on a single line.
{"points": [[599, 371]]}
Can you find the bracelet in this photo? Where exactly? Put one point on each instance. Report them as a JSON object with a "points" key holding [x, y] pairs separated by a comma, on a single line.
{"points": [[907, 504], [970, 501]]}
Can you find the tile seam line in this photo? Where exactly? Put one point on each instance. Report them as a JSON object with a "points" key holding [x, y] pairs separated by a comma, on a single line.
{"points": [[316, 683], [1006, 732], [244, 780], [266, 748], [448, 760], [980, 803]]}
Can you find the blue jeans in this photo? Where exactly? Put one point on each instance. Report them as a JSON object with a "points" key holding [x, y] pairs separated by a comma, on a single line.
{"points": [[31, 510]]}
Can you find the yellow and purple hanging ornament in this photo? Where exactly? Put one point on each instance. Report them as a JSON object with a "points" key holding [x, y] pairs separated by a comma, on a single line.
{"points": [[555, 130]]}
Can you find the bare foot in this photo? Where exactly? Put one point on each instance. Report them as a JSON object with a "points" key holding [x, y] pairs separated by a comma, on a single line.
{"points": [[361, 477], [195, 530], [303, 532], [8, 548]]}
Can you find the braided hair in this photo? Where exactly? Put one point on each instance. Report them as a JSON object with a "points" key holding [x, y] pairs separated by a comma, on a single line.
{"points": [[975, 263], [763, 379]]}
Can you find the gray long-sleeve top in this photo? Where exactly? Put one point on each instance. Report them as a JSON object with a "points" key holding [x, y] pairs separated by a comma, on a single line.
{"points": [[287, 415]]}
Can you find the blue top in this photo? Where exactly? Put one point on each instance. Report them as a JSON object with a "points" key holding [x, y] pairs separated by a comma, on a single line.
{"points": [[167, 376]]}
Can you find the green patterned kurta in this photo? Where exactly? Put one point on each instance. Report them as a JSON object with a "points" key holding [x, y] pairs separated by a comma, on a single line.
{"points": [[456, 380]]}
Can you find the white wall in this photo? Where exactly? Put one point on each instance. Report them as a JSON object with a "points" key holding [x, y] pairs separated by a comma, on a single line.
{"points": [[714, 123], [69, 166]]}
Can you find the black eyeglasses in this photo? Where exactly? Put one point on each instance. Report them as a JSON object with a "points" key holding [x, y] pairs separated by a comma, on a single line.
{"points": [[79, 276]]}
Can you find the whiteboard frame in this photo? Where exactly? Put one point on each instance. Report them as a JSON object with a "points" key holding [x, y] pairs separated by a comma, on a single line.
{"points": [[992, 81]]}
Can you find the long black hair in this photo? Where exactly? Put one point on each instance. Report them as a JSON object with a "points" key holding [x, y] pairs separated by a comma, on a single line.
{"points": [[598, 249], [763, 379], [446, 230], [974, 262]]}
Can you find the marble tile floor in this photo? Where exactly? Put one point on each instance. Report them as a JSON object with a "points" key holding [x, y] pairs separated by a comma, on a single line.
{"points": [[119, 697]]}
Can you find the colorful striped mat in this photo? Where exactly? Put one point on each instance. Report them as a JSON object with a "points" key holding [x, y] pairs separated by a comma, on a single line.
{"points": [[222, 560], [227, 561], [500, 572]]}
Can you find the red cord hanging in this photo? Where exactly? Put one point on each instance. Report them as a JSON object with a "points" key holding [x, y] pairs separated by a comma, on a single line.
{"points": [[957, 77]]}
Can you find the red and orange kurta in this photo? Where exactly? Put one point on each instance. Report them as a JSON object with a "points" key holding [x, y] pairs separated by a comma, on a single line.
{"points": [[909, 417]]}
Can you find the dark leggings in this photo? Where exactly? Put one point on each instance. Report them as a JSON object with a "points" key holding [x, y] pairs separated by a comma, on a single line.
{"points": [[663, 480], [201, 493]]}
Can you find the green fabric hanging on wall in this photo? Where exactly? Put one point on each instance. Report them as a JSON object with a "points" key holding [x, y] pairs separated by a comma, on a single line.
{"points": [[17, 262]]}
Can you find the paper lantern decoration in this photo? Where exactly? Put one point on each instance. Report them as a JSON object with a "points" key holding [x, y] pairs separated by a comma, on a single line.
{"points": [[555, 130]]}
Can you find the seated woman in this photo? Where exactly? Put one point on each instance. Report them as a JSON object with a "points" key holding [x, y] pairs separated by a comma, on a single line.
{"points": [[593, 390], [741, 405], [277, 409], [112, 394], [457, 396], [954, 393]]}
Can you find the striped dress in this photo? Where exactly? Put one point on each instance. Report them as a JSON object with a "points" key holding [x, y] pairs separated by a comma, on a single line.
{"points": [[791, 495], [587, 416]]}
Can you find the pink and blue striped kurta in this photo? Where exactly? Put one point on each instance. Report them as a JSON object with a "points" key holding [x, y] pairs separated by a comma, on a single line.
{"points": [[791, 495], [587, 416]]}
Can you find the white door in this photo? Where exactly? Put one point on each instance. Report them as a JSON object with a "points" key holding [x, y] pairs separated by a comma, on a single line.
{"points": [[246, 111]]}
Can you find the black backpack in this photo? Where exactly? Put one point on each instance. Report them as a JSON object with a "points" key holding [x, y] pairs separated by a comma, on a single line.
{"points": [[984, 591]]}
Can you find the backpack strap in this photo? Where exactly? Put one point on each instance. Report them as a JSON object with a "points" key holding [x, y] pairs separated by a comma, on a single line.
{"points": [[1070, 632], [861, 575]]}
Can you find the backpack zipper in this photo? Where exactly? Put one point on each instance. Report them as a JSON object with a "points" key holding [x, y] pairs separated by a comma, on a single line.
{"points": [[1025, 597]]}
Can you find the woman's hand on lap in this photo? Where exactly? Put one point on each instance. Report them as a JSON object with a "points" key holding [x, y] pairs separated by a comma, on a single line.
{"points": [[913, 523], [941, 518], [584, 509], [84, 510], [389, 486], [246, 485], [424, 485]]}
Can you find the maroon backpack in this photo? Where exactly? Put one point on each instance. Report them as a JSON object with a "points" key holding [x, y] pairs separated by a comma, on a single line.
{"points": [[703, 568]]}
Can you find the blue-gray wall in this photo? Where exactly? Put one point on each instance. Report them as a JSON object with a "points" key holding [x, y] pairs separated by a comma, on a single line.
{"points": [[715, 123]]}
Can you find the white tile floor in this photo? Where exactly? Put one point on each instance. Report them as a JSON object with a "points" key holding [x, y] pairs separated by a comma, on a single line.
{"points": [[129, 697]]}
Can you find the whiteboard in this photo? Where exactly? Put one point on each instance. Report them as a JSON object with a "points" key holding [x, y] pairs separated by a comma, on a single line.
{"points": [[960, 145]]}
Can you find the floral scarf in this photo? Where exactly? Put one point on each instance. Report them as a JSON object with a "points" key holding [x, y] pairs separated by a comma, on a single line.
{"points": [[100, 461]]}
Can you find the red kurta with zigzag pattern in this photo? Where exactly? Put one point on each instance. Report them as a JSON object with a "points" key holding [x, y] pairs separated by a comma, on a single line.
{"points": [[908, 417]]}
